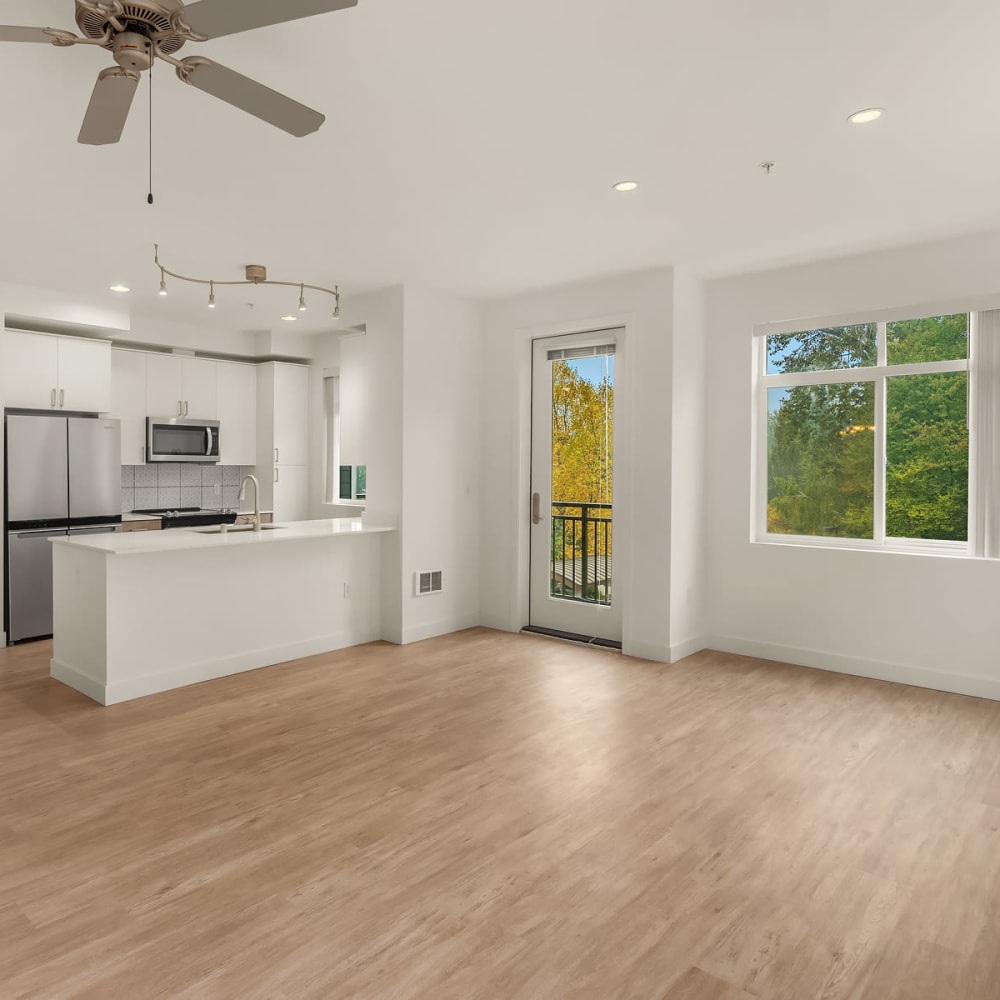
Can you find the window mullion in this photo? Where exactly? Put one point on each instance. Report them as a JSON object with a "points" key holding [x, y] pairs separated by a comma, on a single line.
{"points": [[878, 484]]}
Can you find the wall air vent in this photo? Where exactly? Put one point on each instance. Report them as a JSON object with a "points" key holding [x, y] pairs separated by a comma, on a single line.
{"points": [[427, 582]]}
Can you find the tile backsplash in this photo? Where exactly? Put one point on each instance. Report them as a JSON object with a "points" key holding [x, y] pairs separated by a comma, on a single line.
{"points": [[167, 484]]}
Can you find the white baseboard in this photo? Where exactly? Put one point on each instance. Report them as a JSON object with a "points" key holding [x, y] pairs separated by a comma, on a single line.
{"points": [[899, 673], [207, 670], [444, 627], [687, 648], [646, 650], [94, 690]]}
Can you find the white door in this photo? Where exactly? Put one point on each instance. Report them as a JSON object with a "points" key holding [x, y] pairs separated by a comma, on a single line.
{"points": [[237, 413], [128, 403], [163, 386], [30, 371], [84, 375], [200, 390], [291, 492], [291, 415], [572, 476]]}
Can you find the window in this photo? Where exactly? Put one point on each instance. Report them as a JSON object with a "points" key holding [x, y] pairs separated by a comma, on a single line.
{"points": [[331, 449], [342, 482], [866, 433]]}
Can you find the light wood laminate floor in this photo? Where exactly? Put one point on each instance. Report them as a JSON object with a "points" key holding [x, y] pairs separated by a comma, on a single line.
{"points": [[499, 816]]}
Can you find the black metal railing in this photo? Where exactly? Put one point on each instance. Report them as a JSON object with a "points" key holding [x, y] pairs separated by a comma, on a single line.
{"points": [[581, 552]]}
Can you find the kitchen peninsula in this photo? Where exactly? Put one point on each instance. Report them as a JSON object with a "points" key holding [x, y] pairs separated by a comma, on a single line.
{"points": [[140, 613]]}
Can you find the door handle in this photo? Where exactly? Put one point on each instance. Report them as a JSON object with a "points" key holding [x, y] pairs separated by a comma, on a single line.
{"points": [[180, 408], [536, 508], [62, 398], [276, 456], [185, 407], [208, 435], [276, 475], [53, 397]]}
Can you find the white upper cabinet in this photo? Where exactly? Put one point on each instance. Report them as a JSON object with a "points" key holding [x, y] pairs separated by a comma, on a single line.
{"points": [[291, 414], [181, 387], [237, 413], [44, 372], [128, 402]]}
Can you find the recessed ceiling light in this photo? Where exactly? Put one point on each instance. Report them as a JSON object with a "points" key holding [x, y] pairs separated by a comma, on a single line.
{"points": [[625, 186], [865, 116], [120, 288], [290, 319]]}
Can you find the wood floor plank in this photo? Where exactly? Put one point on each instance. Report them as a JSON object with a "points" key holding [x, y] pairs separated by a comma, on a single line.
{"points": [[491, 816]]}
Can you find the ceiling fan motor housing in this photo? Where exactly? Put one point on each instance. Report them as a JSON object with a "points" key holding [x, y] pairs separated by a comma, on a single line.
{"points": [[149, 18], [133, 52]]}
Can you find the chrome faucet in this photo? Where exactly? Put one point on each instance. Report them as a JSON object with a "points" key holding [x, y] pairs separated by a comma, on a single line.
{"points": [[256, 499]]}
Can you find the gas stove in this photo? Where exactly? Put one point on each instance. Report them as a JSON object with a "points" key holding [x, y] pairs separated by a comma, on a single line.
{"points": [[189, 517]]}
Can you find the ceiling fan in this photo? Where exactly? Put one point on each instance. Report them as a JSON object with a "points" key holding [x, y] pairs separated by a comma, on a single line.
{"points": [[136, 33]]}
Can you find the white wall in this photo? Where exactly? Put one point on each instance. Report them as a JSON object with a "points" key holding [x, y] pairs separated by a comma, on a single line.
{"points": [[687, 510], [643, 304], [442, 358], [923, 619]]}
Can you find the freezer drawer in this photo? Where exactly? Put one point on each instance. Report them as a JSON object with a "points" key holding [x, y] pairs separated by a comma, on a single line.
{"points": [[29, 555]]}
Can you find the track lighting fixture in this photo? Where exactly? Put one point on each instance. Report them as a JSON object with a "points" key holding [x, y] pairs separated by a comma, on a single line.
{"points": [[256, 274]]}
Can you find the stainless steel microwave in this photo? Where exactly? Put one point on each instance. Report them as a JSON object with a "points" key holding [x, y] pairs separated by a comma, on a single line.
{"points": [[181, 439]]}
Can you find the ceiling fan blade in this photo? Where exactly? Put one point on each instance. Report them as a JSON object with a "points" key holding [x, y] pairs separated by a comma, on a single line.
{"points": [[15, 33], [249, 95], [109, 107], [213, 18]]}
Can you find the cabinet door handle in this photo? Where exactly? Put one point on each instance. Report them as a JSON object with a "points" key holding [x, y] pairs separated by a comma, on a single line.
{"points": [[53, 397], [276, 475], [180, 408], [62, 397], [276, 455], [185, 407]]}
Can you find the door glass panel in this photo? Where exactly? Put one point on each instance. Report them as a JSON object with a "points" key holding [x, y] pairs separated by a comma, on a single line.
{"points": [[582, 449]]}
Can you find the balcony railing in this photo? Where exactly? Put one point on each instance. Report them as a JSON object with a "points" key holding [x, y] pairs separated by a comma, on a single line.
{"points": [[581, 552]]}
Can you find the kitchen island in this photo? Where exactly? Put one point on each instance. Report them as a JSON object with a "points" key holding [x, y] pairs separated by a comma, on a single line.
{"points": [[140, 613]]}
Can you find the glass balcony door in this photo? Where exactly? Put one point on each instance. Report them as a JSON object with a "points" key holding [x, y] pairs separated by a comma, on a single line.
{"points": [[572, 473]]}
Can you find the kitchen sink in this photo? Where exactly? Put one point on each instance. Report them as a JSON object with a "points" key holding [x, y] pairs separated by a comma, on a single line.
{"points": [[234, 528]]}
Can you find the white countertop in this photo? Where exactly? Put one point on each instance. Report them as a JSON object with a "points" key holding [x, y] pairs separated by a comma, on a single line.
{"points": [[178, 539]]}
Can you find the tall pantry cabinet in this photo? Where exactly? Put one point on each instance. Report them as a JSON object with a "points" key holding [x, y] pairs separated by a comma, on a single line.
{"points": [[283, 439]]}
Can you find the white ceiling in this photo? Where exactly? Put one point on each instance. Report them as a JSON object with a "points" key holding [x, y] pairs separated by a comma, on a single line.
{"points": [[473, 146]]}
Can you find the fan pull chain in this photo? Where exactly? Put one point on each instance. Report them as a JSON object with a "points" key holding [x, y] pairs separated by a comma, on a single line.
{"points": [[149, 200]]}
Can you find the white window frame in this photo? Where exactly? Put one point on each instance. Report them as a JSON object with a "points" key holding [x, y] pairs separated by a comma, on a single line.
{"points": [[878, 374], [331, 448]]}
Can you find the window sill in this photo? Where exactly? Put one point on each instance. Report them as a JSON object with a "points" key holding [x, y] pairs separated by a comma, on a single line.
{"points": [[915, 547]]}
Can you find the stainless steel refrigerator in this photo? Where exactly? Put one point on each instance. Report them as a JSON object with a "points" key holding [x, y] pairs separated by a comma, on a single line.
{"points": [[63, 477]]}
